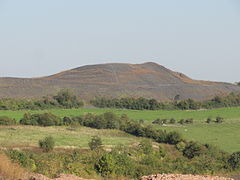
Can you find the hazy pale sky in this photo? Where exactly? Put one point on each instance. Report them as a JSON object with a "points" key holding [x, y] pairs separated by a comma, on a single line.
{"points": [[200, 38]]}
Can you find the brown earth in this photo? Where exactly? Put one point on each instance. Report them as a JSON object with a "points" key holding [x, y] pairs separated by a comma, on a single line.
{"points": [[149, 80], [60, 177]]}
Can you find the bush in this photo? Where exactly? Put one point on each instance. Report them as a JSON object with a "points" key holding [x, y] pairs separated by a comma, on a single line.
{"points": [[115, 164], [234, 160], [173, 138], [67, 99], [47, 144], [45, 119], [219, 120], [4, 120], [209, 120], [95, 143], [172, 121], [106, 165], [192, 149], [180, 146]]}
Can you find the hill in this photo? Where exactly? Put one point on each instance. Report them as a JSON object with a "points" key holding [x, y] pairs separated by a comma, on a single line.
{"points": [[149, 80]]}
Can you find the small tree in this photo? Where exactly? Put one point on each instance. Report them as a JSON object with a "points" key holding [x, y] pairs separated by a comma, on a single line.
{"points": [[95, 143], [47, 144]]}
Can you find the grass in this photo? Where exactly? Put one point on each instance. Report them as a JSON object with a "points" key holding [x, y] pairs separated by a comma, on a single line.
{"points": [[227, 113], [226, 135], [28, 136]]}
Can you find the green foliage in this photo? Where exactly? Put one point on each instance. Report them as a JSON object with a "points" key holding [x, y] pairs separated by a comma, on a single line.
{"points": [[141, 103], [209, 120], [106, 165], [47, 144], [118, 164], [22, 158], [172, 121], [4, 120], [45, 119], [192, 149], [161, 151], [67, 99], [63, 99], [95, 143], [234, 160], [180, 146], [174, 137], [146, 146], [219, 120]]}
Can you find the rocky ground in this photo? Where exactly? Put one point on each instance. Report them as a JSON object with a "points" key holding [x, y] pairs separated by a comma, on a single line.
{"points": [[182, 177], [151, 177]]}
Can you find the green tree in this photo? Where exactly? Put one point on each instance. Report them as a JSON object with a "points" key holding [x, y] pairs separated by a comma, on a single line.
{"points": [[67, 99], [47, 144], [106, 165]]}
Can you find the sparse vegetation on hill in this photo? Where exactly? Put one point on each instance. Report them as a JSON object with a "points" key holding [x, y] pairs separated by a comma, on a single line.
{"points": [[149, 80]]}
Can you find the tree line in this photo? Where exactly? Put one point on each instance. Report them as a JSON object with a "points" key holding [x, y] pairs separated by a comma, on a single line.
{"points": [[63, 99], [232, 100]]}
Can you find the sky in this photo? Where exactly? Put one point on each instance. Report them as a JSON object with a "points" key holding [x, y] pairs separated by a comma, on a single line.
{"points": [[200, 38]]}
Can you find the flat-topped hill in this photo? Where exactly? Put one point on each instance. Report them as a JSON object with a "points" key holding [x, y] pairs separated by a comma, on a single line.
{"points": [[149, 80]]}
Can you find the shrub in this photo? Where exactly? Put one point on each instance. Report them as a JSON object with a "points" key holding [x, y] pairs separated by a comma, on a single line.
{"points": [[47, 144], [95, 143], [234, 160], [67, 99], [4, 120], [180, 146], [115, 164], [172, 121], [173, 138], [192, 149], [189, 121], [146, 146], [209, 120], [182, 121], [219, 119], [45, 119], [22, 158], [106, 165]]}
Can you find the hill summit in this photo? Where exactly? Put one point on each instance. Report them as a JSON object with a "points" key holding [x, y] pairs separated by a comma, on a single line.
{"points": [[148, 80]]}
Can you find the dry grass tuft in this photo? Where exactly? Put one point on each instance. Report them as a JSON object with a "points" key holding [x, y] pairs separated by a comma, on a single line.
{"points": [[10, 170]]}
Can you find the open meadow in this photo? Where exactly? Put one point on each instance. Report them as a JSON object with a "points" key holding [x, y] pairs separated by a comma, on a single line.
{"points": [[225, 135]]}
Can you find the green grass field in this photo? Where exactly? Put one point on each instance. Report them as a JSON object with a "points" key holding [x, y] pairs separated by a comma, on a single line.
{"points": [[65, 137], [226, 135]]}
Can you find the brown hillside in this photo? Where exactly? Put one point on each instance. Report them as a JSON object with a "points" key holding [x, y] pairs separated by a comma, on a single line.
{"points": [[149, 80]]}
